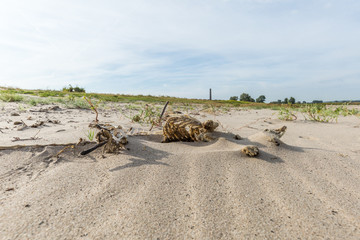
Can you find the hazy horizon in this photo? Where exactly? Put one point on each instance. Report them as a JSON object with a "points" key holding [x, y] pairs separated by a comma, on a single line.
{"points": [[278, 48]]}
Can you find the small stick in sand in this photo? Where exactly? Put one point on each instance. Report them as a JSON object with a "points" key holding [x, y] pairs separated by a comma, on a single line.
{"points": [[93, 148], [161, 115], [36, 134], [62, 150], [69, 146], [93, 108], [25, 139], [38, 145]]}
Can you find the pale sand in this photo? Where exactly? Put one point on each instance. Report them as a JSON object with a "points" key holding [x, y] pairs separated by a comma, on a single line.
{"points": [[306, 188]]}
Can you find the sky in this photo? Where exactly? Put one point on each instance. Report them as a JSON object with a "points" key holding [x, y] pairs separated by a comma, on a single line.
{"points": [[306, 49]]}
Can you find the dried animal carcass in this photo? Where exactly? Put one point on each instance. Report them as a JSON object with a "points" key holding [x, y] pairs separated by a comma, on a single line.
{"points": [[112, 138], [186, 128]]}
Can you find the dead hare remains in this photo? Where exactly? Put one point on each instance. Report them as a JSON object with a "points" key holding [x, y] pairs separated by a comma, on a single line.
{"points": [[112, 138], [185, 128], [188, 129]]}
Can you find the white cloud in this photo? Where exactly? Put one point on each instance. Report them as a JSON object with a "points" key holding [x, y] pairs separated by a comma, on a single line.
{"points": [[139, 45]]}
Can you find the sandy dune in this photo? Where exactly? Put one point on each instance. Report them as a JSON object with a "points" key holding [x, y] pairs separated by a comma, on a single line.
{"points": [[306, 188]]}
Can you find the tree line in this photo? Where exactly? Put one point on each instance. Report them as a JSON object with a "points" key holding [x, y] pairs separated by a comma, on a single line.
{"points": [[291, 100], [247, 98], [73, 89], [261, 99]]}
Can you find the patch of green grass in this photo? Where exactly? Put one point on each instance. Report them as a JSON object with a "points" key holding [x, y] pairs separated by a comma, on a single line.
{"points": [[344, 111], [276, 107], [287, 114], [146, 113], [11, 97], [33, 102], [320, 113], [21, 108], [76, 102], [316, 112], [90, 134], [46, 94]]}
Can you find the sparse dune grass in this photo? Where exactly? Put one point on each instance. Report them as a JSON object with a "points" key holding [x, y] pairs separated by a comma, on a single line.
{"points": [[316, 112], [10, 97], [54, 94], [313, 112]]}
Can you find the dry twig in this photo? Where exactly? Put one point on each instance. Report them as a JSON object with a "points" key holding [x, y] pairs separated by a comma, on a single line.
{"points": [[161, 115], [93, 108], [62, 150], [38, 145], [69, 146], [26, 139], [93, 148]]}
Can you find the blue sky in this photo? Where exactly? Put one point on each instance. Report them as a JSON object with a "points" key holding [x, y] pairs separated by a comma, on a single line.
{"points": [[308, 49]]}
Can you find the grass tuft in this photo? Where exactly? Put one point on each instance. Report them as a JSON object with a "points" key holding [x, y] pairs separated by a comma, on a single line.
{"points": [[11, 97]]}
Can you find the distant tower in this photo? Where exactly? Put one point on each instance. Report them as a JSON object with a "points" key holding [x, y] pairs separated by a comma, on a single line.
{"points": [[210, 95]]}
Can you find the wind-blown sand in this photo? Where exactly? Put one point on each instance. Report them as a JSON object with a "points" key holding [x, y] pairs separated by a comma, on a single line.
{"points": [[306, 188]]}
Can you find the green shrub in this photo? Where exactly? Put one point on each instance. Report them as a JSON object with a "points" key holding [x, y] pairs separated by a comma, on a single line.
{"points": [[45, 94], [287, 114], [142, 114], [320, 113], [344, 111], [33, 102], [78, 103]]}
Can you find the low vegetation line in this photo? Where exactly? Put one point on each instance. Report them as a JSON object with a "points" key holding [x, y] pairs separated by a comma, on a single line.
{"points": [[73, 97], [16, 94]]}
